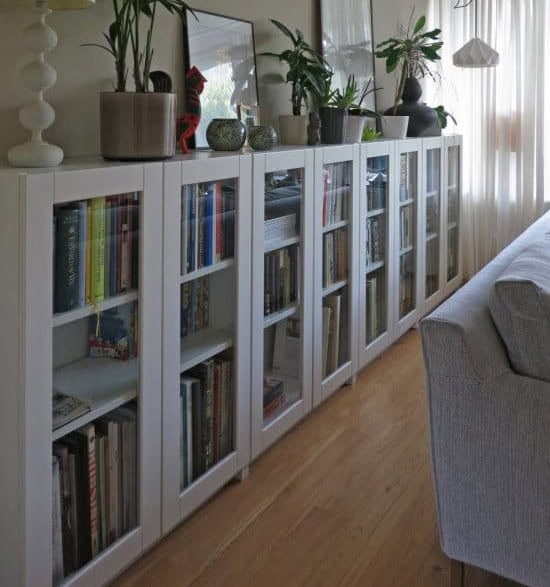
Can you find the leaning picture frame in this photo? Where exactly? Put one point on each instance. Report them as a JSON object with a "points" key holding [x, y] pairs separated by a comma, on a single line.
{"points": [[223, 49]]}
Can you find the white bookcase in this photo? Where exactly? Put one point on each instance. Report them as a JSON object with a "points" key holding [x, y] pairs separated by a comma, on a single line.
{"points": [[41, 350], [206, 320], [379, 180], [336, 256], [433, 227], [452, 213], [282, 294]]}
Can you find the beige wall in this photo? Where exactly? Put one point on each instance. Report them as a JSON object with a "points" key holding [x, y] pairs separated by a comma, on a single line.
{"points": [[83, 71]]}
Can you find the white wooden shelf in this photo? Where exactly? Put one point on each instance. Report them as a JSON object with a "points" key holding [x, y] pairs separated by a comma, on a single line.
{"points": [[89, 310], [432, 194], [408, 202], [204, 345], [335, 226], [406, 250], [431, 236], [273, 245], [203, 271], [451, 225], [281, 315], [375, 266], [105, 383], [377, 212], [329, 289]]}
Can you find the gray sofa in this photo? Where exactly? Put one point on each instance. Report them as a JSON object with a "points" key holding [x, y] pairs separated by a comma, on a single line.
{"points": [[487, 357]]}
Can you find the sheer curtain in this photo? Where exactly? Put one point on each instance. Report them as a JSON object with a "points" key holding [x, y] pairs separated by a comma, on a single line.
{"points": [[501, 113]]}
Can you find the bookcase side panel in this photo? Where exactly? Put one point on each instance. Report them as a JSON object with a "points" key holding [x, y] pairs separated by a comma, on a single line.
{"points": [[11, 405]]}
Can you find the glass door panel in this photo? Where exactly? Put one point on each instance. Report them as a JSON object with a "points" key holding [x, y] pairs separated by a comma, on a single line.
{"points": [[377, 230], [433, 207], [95, 396], [337, 192], [453, 191], [207, 326], [408, 201], [282, 294]]}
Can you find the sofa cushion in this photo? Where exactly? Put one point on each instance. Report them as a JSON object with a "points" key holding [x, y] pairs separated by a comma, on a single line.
{"points": [[520, 306]]}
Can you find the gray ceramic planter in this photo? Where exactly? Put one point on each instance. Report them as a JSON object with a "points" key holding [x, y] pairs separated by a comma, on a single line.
{"points": [[138, 126], [332, 125]]}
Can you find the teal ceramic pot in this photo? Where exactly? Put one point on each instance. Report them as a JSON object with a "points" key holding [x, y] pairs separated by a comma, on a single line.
{"points": [[226, 134], [262, 138]]}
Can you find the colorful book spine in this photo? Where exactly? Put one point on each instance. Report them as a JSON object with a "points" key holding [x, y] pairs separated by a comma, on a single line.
{"points": [[97, 245], [67, 261]]}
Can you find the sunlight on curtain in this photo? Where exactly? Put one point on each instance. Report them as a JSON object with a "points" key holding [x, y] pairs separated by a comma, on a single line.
{"points": [[500, 112]]}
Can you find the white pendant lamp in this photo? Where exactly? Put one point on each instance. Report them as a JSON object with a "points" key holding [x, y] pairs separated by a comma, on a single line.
{"points": [[38, 76], [475, 53]]}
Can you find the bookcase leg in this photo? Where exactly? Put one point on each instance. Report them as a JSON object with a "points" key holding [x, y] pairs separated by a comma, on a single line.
{"points": [[242, 474], [457, 573], [351, 381]]}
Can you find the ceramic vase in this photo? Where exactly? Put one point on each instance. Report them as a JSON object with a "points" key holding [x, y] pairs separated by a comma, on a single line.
{"points": [[421, 116], [225, 134], [262, 138], [293, 129], [332, 125]]}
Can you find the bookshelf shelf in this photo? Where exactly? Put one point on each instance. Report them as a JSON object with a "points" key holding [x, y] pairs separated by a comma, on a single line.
{"points": [[276, 317], [452, 187], [204, 345], [105, 383], [371, 267], [334, 287], [407, 202], [431, 236], [274, 245], [432, 194], [378, 212], [406, 250], [89, 310], [452, 225], [335, 226], [204, 271]]}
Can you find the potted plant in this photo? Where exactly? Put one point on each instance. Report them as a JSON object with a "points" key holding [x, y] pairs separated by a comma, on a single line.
{"points": [[334, 109], [358, 115], [306, 73], [136, 124], [411, 55]]}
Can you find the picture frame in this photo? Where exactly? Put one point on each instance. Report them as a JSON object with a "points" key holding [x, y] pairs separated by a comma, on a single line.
{"points": [[348, 43], [223, 49]]}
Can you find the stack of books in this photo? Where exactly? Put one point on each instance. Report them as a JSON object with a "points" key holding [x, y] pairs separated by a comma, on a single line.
{"points": [[281, 271], [335, 329], [206, 400], [335, 256], [336, 192], [274, 396], [406, 226], [94, 489], [375, 239], [95, 250]]}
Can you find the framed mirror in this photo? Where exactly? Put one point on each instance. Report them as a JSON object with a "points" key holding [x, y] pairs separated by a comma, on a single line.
{"points": [[347, 42], [222, 48]]}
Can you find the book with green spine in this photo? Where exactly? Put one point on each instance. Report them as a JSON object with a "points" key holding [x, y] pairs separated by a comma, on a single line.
{"points": [[97, 244]]}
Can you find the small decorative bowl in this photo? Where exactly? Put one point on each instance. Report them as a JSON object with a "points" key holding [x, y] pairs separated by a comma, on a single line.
{"points": [[262, 138], [225, 134]]}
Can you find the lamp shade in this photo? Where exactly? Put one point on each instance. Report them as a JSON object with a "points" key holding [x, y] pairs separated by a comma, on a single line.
{"points": [[476, 53]]}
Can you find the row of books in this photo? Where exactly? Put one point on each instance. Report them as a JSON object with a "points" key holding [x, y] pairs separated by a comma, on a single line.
{"points": [[336, 192], [281, 274], [407, 176], [335, 256], [195, 306], [406, 226], [376, 236], [377, 188], [407, 284], [274, 396], [432, 215], [376, 305], [94, 489], [206, 399], [335, 330], [207, 224], [95, 250]]}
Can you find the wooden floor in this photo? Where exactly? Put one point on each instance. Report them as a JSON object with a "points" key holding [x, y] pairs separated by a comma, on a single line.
{"points": [[344, 499]]}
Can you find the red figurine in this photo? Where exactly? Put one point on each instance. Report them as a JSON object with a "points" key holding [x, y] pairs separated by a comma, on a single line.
{"points": [[188, 123]]}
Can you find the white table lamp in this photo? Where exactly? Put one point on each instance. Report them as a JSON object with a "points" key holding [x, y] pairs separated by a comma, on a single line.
{"points": [[38, 76]]}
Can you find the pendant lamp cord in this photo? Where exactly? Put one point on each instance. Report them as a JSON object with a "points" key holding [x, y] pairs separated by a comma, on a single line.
{"points": [[464, 4]]}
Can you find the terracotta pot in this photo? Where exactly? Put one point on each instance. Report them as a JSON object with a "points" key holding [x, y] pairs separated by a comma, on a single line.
{"points": [[138, 126]]}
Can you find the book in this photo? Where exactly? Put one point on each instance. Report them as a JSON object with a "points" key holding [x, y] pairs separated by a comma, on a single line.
{"points": [[57, 533], [97, 245], [114, 333], [67, 295], [186, 431], [327, 316], [61, 452], [334, 303], [372, 309], [66, 408]]}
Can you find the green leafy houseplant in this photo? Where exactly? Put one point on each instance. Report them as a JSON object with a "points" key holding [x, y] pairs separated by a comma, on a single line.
{"points": [[127, 32], [307, 71], [411, 54], [357, 108], [442, 116], [369, 134]]}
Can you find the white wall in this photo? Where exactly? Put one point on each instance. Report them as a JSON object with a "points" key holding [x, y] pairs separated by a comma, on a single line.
{"points": [[84, 71]]}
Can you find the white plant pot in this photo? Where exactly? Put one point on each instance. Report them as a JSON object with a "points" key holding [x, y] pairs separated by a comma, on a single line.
{"points": [[293, 129], [354, 129], [395, 127]]}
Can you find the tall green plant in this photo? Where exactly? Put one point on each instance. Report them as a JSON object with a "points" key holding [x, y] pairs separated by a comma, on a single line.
{"points": [[126, 32], [412, 53], [307, 70]]}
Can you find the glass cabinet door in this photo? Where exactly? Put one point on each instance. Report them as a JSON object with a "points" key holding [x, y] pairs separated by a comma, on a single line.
{"points": [[336, 246], [406, 237], [377, 246], [453, 210], [96, 371], [282, 292], [433, 220]]}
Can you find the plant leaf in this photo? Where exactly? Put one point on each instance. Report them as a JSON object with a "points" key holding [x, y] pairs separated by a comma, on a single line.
{"points": [[420, 23]]}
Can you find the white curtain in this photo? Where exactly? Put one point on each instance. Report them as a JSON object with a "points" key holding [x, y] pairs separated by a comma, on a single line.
{"points": [[501, 114]]}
